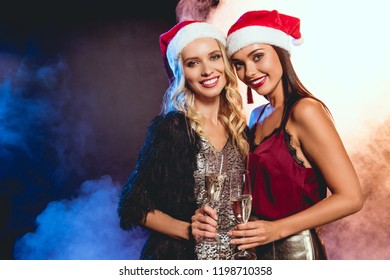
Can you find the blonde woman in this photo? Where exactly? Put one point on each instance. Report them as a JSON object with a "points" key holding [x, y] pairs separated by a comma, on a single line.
{"points": [[201, 113]]}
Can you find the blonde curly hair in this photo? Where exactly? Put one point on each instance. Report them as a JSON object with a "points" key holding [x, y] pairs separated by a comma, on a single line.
{"points": [[180, 98]]}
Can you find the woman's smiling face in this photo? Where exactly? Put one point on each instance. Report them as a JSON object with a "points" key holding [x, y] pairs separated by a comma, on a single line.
{"points": [[259, 67], [204, 68]]}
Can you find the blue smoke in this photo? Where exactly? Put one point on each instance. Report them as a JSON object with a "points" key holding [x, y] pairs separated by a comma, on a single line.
{"points": [[85, 227], [34, 127], [44, 142], [36, 166]]}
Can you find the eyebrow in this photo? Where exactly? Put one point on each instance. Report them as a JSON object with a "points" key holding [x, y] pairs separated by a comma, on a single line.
{"points": [[251, 53], [195, 57]]}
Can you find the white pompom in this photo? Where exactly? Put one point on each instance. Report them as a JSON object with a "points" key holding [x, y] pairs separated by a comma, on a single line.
{"points": [[297, 42]]}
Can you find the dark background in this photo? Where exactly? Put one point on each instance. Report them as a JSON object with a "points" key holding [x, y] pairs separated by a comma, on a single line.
{"points": [[80, 82]]}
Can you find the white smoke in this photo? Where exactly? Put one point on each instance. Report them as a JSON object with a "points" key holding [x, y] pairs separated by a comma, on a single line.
{"points": [[194, 9], [366, 234]]}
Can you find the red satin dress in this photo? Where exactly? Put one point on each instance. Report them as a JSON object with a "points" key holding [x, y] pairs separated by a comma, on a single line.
{"points": [[283, 186]]}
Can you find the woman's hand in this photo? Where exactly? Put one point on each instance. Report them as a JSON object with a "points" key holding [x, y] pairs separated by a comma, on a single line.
{"points": [[253, 234], [204, 223]]}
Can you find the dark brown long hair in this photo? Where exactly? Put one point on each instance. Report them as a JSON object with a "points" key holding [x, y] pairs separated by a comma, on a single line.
{"points": [[292, 86]]}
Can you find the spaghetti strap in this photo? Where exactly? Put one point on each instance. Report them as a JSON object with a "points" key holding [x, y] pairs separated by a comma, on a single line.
{"points": [[293, 107], [253, 130], [261, 113], [284, 122]]}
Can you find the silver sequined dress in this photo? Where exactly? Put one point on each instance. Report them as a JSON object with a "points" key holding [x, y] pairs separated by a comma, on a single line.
{"points": [[226, 218]]}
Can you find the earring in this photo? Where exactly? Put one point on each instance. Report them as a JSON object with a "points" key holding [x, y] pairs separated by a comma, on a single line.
{"points": [[249, 95]]}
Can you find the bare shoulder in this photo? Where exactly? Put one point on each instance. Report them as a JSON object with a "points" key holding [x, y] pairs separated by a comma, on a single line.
{"points": [[309, 111]]}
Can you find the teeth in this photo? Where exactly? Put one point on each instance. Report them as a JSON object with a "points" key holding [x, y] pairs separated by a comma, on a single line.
{"points": [[257, 81], [209, 82]]}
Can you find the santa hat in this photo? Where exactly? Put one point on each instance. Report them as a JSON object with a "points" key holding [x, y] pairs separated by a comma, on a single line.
{"points": [[266, 27], [174, 41]]}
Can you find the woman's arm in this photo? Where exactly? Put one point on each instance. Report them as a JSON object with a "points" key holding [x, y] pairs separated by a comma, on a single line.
{"points": [[322, 145], [159, 193], [165, 224]]}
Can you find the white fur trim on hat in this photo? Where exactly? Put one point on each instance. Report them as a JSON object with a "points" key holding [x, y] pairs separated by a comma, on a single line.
{"points": [[257, 34], [190, 33], [297, 42]]}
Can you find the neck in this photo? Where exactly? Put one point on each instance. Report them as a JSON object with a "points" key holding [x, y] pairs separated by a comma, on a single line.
{"points": [[208, 108], [276, 98], [276, 103]]}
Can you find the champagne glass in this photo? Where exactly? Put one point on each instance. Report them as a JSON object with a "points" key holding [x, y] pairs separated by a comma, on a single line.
{"points": [[241, 202], [215, 175]]}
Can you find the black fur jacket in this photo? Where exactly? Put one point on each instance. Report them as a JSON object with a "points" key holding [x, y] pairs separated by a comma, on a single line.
{"points": [[163, 179]]}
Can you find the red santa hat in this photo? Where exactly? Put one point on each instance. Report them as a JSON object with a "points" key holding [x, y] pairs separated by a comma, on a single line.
{"points": [[266, 27], [173, 41]]}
